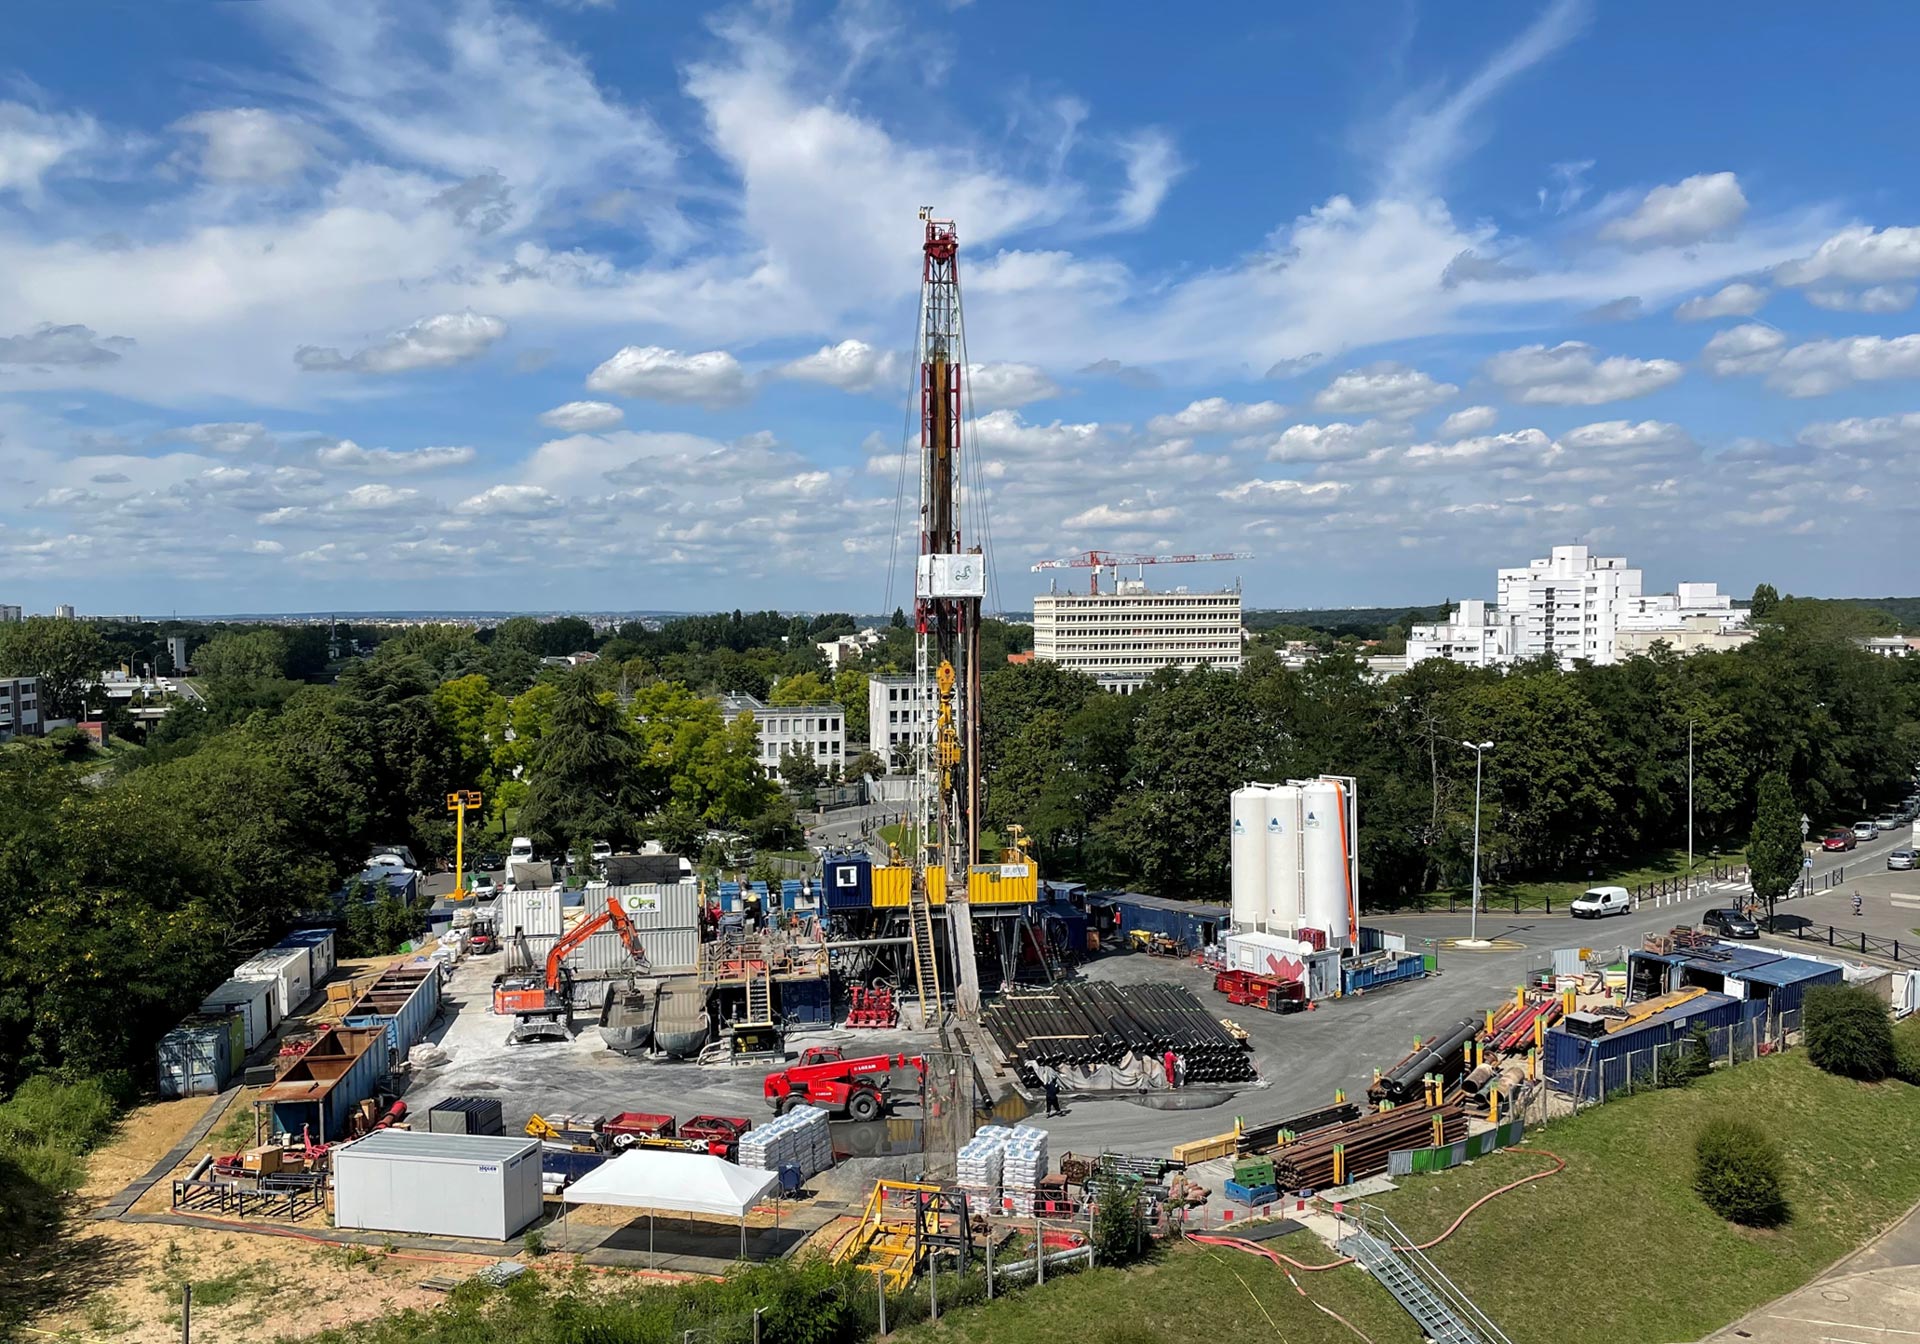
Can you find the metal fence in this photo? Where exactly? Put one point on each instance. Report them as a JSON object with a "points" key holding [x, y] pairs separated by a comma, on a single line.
{"points": [[1659, 1065], [1893, 949]]}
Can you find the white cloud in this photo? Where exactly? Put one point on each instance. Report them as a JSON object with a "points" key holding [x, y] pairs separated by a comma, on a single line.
{"points": [[1217, 415], [1819, 367], [995, 386], [1874, 299], [1384, 389], [373, 499], [1617, 436], [72, 345], [710, 378], [1284, 494], [229, 436], [247, 144], [1153, 165], [1695, 208], [1515, 445], [1738, 299], [1326, 443], [349, 455], [33, 144], [852, 366], [1469, 420], [1857, 256], [1569, 374], [431, 343], [583, 417], [1749, 348], [1006, 432], [513, 501], [1860, 432], [1125, 514]]}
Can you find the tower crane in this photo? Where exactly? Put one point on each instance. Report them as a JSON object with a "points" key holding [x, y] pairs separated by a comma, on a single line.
{"points": [[1109, 560]]}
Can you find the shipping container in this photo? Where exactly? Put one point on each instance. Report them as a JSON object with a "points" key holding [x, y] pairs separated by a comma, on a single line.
{"points": [[1267, 954], [323, 946], [1002, 884], [1063, 893], [806, 1001], [449, 1185], [291, 971], [1781, 985], [1323, 975], [848, 879], [1192, 922], [196, 1058], [1594, 1067], [320, 1091], [467, 1115], [893, 887], [1387, 970], [534, 913], [603, 954], [250, 1000], [405, 999], [657, 906]]}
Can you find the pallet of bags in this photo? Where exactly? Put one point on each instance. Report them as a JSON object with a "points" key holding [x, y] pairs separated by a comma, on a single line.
{"points": [[801, 1138]]}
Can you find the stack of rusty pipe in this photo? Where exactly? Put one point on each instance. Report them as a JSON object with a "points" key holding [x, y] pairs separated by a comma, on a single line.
{"points": [[1308, 1163]]}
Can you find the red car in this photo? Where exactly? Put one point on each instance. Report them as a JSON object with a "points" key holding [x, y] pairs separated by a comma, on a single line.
{"points": [[1839, 840]]}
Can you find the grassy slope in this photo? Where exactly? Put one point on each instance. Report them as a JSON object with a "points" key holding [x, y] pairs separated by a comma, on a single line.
{"points": [[1631, 1252], [1189, 1293]]}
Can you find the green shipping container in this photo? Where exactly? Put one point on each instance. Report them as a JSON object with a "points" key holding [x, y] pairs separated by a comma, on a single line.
{"points": [[1433, 961]]}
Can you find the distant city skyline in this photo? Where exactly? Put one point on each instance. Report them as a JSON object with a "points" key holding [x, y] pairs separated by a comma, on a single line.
{"points": [[392, 305]]}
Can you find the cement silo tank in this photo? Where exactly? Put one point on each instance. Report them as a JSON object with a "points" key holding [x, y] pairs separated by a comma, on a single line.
{"points": [[1282, 826], [1324, 871], [1248, 852]]}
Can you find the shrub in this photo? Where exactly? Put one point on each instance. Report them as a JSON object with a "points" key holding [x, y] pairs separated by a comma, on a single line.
{"points": [[1119, 1229], [1906, 1051], [1737, 1173], [1848, 1032], [1691, 1061]]}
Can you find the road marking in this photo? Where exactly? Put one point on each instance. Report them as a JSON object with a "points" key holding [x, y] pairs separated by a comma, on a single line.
{"points": [[1906, 902]]}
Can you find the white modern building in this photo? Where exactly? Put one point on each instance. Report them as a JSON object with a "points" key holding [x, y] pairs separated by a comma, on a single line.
{"points": [[177, 650], [20, 707], [1124, 637], [9, 614], [1574, 605], [64, 611], [819, 730], [893, 704], [848, 648]]}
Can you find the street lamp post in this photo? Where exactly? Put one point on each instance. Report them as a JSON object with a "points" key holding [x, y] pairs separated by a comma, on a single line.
{"points": [[1473, 926], [1689, 807]]}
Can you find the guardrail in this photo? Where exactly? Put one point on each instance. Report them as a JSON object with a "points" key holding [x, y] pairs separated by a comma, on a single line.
{"points": [[1907, 953]]}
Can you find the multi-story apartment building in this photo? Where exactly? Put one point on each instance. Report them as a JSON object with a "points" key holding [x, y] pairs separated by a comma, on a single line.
{"points": [[9, 614], [1124, 637], [818, 730], [893, 704], [1574, 605], [64, 611], [20, 707]]}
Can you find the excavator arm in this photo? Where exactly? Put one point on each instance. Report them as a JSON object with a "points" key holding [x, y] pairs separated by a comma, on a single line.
{"points": [[616, 915]]}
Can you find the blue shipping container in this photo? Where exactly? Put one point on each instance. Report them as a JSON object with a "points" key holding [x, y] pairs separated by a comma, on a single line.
{"points": [[1191, 922], [1594, 1068], [405, 1000], [1781, 986], [1377, 974], [849, 881], [730, 898]]}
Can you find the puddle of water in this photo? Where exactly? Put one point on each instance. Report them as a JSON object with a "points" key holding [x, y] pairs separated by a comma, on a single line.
{"points": [[888, 1137]]}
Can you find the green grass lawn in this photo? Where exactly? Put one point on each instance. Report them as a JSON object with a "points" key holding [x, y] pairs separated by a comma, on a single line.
{"points": [[1630, 1251], [1658, 866], [1199, 1293]]}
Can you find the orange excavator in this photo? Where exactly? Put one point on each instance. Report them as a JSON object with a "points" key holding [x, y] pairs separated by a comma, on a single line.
{"points": [[542, 1004]]}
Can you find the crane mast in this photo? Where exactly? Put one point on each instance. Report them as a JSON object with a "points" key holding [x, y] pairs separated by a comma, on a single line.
{"points": [[948, 588]]}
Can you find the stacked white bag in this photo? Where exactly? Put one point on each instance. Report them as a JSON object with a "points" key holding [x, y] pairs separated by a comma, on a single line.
{"points": [[979, 1165], [799, 1138], [1023, 1166]]}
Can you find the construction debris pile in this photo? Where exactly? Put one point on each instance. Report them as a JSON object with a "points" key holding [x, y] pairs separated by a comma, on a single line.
{"points": [[1080, 1028]]}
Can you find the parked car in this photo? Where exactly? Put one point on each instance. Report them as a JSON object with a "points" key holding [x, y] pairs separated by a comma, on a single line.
{"points": [[1865, 830], [1729, 924], [521, 848], [601, 851], [1886, 821], [1598, 901], [484, 888], [491, 860], [1902, 860], [1839, 840]]}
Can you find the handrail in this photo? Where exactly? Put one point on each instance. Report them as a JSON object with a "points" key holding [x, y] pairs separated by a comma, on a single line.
{"points": [[1399, 1243]]}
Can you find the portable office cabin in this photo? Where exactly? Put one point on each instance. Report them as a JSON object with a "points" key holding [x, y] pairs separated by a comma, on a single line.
{"points": [[198, 1057], [252, 1001], [848, 879], [320, 1090], [602, 954], [405, 1000], [322, 946], [449, 1185], [1592, 1068], [1651, 974], [291, 971], [1781, 985]]}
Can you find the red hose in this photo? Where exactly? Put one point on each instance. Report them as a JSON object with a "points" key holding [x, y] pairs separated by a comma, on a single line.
{"points": [[1254, 1248]]}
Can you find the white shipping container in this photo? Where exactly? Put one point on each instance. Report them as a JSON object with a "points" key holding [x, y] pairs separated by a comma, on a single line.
{"points": [[1267, 954], [450, 1185], [602, 953], [537, 914], [252, 1001], [673, 905], [290, 970]]}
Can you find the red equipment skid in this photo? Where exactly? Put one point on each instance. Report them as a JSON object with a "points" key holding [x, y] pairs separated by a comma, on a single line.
{"points": [[826, 1078], [873, 1008]]}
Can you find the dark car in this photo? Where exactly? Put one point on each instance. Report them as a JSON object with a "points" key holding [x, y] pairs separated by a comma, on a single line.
{"points": [[1839, 840], [1729, 924], [489, 862]]}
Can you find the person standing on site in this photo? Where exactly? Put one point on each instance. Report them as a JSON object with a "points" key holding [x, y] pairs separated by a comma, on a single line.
{"points": [[1171, 1061], [1053, 1094]]}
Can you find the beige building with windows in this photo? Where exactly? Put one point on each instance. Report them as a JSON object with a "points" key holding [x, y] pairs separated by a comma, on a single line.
{"points": [[1124, 637], [817, 730]]}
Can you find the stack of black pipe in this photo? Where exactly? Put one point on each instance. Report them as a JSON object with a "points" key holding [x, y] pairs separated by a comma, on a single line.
{"points": [[1090, 1023], [1442, 1054], [1266, 1137]]}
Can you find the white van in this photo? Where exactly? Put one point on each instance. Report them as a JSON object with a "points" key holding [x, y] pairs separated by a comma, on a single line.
{"points": [[1597, 901], [522, 848]]}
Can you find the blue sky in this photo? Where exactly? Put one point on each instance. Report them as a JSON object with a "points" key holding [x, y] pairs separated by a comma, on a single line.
{"points": [[608, 305]]}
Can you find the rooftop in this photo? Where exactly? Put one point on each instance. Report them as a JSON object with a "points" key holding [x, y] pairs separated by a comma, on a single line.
{"points": [[447, 1147]]}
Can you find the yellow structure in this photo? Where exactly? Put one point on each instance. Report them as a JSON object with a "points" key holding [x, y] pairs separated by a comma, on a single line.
{"points": [[458, 803], [987, 884], [886, 1242]]}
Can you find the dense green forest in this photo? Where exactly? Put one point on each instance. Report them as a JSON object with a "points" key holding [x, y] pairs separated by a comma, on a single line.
{"points": [[130, 884]]}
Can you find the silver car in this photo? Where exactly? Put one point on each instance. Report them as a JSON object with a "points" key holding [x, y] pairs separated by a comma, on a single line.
{"points": [[1901, 860]]}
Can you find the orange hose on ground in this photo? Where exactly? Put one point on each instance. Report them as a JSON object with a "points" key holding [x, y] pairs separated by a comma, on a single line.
{"points": [[1254, 1248]]}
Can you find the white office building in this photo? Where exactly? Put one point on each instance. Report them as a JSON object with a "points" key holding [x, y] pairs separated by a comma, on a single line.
{"points": [[818, 730], [64, 611], [1574, 605], [20, 707], [893, 706], [9, 614], [1124, 637]]}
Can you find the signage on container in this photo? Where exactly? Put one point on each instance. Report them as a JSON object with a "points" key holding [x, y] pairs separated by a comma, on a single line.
{"points": [[1313, 820]]}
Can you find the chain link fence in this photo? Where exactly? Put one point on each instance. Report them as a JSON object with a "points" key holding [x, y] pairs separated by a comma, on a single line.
{"points": [[1663, 1065]]}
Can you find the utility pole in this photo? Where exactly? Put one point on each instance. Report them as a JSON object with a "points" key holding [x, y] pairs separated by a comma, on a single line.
{"points": [[1689, 807], [1473, 927]]}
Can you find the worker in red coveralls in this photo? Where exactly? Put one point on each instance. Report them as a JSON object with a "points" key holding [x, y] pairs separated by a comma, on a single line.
{"points": [[1171, 1061]]}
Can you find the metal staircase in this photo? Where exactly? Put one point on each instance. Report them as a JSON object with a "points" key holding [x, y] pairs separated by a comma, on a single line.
{"points": [[926, 965], [759, 997], [1443, 1313]]}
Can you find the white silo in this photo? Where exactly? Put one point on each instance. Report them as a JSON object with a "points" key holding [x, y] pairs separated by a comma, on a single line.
{"points": [[1325, 876], [1282, 825], [1247, 851]]}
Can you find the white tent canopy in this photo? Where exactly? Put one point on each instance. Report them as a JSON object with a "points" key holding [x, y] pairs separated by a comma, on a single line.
{"points": [[652, 1179]]}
